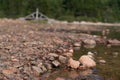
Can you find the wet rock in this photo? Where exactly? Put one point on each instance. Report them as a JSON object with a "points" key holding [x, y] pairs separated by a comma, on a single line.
{"points": [[115, 54], [87, 62], [77, 44], [62, 59], [91, 55], [100, 40], [73, 63], [89, 43], [56, 63], [114, 42], [102, 61]]}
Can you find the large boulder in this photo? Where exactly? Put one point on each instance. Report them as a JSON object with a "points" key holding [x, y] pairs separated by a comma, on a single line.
{"points": [[87, 62], [73, 63]]}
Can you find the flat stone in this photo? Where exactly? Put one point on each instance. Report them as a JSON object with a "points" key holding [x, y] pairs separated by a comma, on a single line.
{"points": [[56, 63], [52, 55]]}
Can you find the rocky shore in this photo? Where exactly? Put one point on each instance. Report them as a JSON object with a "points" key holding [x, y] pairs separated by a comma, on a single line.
{"points": [[28, 50]]}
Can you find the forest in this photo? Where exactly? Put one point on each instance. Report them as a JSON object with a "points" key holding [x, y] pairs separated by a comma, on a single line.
{"points": [[78, 10]]}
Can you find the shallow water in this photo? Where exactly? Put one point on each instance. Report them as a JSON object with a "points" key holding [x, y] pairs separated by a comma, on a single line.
{"points": [[109, 71]]}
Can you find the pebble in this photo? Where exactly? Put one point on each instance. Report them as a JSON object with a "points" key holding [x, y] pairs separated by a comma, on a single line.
{"points": [[102, 61]]}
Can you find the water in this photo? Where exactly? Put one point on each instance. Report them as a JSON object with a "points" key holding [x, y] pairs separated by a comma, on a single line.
{"points": [[108, 71]]}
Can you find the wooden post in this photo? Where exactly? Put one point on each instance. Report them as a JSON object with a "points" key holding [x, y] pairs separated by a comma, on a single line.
{"points": [[37, 14]]}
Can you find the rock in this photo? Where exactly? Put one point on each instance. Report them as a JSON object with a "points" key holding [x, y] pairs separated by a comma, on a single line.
{"points": [[59, 78], [89, 43], [71, 50], [87, 62], [68, 54], [73, 63], [37, 69], [100, 40], [52, 56], [77, 44], [102, 61], [91, 55], [115, 54], [62, 59], [114, 42], [48, 66], [42, 67], [8, 72], [56, 63]]}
